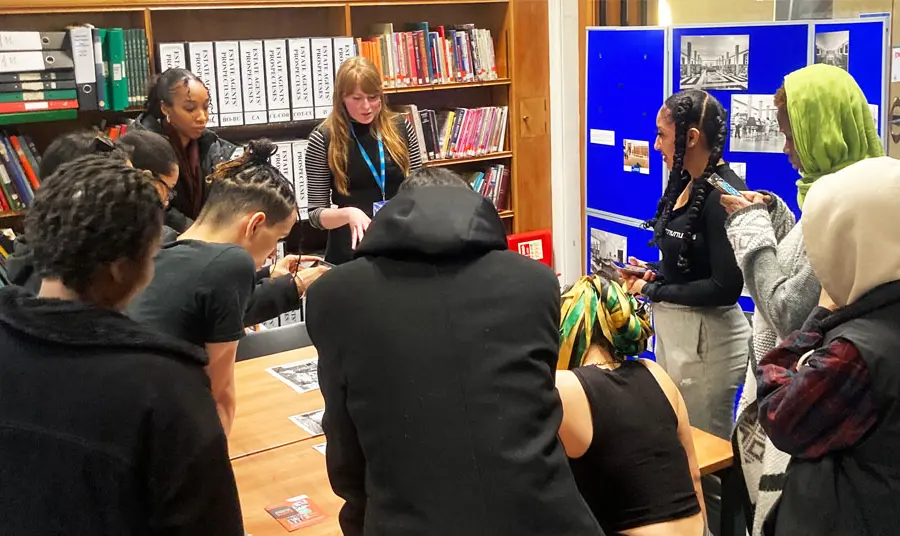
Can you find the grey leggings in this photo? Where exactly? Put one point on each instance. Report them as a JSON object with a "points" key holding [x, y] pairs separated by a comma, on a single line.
{"points": [[705, 351]]}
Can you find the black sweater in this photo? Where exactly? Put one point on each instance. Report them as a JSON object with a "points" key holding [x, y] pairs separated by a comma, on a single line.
{"points": [[714, 278], [106, 428], [437, 353], [363, 191]]}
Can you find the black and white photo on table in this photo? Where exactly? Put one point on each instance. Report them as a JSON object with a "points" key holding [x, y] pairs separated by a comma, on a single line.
{"points": [[833, 48], [715, 62], [311, 422], [301, 376], [754, 126]]}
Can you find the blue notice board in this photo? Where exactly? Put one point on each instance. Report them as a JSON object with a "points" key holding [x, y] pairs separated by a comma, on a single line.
{"points": [[743, 66], [626, 85]]}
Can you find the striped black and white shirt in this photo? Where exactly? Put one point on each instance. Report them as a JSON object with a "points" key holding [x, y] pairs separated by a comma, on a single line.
{"points": [[363, 190]]}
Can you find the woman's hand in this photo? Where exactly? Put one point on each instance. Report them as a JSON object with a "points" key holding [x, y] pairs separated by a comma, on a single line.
{"points": [[634, 285], [359, 224], [625, 274], [733, 203], [826, 301]]}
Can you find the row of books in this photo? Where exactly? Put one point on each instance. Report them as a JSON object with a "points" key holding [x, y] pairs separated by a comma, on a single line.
{"points": [[254, 82], [82, 68], [493, 184], [458, 132], [421, 56], [19, 164]]}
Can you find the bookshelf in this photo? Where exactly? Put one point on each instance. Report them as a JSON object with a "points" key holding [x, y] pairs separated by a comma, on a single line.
{"points": [[518, 29]]}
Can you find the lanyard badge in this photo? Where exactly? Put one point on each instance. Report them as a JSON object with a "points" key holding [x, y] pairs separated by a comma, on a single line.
{"points": [[379, 178]]}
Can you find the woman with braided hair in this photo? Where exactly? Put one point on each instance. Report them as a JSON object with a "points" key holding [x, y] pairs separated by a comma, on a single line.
{"points": [[625, 426], [205, 279], [106, 427], [701, 333]]}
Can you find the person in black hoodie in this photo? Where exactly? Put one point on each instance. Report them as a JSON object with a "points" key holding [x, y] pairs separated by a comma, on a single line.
{"points": [[178, 108], [105, 427], [63, 149], [437, 353]]}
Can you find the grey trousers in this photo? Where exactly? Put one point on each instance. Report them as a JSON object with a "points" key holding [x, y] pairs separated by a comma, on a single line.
{"points": [[705, 351]]}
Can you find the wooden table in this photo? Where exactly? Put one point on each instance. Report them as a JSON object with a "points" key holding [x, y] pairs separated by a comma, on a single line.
{"points": [[268, 478], [265, 405]]}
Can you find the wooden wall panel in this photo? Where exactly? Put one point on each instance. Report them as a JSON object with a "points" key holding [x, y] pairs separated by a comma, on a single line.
{"points": [[530, 115]]}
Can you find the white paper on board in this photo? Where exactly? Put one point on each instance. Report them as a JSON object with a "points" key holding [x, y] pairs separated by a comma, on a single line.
{"points": [[603, 137], [895, 64]]}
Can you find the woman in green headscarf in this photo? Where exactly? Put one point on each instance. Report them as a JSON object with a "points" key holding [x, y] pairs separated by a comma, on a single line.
{"points": [[828, 125], [625, 426]]}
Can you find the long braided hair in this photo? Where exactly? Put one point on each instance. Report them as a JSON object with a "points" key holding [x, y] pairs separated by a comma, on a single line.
{"points": [[691, 108]]}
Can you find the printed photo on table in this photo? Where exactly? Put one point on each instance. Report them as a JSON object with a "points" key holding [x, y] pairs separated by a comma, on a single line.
{"points": [[607, 247], [833, 48], [715, 62], [637, 156], [311, 422], [301, 376], [754, 128]]}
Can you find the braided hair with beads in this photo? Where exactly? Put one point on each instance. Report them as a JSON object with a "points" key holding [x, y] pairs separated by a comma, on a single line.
{"points": [[690, 108]]}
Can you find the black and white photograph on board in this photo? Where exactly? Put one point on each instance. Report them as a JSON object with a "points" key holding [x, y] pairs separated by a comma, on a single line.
{"points": [[754, 127], [607, 247], [715, 62], [833, 48]]}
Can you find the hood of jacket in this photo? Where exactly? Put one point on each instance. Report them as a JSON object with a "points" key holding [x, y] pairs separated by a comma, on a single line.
{"points": [[847, 228], [20, 265], [434, 221], [82, 325]]}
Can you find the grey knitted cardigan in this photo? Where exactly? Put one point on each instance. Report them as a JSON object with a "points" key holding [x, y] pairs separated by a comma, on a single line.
{"points": [[768, 246]]}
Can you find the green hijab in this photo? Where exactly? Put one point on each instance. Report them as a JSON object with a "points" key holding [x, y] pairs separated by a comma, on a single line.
{"points": [[831, 121]]}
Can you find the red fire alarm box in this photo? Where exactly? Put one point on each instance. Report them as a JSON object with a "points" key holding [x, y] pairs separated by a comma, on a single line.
{"points": [[535, 244]]}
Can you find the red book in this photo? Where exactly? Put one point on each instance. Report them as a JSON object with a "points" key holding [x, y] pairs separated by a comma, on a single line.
{"points": [[296, 513]]}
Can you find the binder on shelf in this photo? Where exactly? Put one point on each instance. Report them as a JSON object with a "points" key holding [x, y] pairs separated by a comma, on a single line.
{"points": [[171, 56], [228, 82], [115, 57], [202, 62], [323, 75], [98, 36], [253, 80], [82, 42], [282, 160], [277, 87], [301, 78], [344, 48], [46, 60], [23, 41], [298, 149]]}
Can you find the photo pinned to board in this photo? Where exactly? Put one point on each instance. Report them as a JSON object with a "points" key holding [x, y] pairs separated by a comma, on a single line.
{"points": [[301, 376], [833, 48], [740, 169], [754, 126], [607, 247], [311, 422], [715, 62], [637, 156]]}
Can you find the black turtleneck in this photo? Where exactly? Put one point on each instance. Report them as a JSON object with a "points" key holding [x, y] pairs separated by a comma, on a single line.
{"points": [[363, 191]]}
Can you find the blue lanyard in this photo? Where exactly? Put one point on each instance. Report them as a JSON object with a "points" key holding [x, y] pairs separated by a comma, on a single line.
{"points": [[379, 179]]}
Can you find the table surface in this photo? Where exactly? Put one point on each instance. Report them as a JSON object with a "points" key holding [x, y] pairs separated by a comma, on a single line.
{"points": [[265, 405], [274, 459]]}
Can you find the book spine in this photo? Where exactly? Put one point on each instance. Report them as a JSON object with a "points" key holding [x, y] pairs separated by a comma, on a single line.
{"points": [[231, 108], [323, 76], [301, 77], [299, 153], [277, 82], [171, 56], [253, 82], [202, 62]]}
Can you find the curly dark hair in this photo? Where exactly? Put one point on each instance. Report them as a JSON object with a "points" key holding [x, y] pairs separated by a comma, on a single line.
{"points": [[691, 108], [249, 183], [93, 211], [150, 151], [163, 88]]}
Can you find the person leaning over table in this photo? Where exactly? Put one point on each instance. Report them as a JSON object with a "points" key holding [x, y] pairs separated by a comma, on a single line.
{"points": [[356, 159], [178, 108], [106, 427]]}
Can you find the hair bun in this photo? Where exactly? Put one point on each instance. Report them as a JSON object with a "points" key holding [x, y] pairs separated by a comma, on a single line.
{"points": [[260, 151]]}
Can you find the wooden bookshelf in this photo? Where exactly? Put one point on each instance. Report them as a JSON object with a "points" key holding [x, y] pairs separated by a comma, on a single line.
{"points": [[519, 29]]}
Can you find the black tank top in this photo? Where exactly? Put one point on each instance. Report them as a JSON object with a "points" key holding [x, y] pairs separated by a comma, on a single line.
{"points": [[635, 472]]}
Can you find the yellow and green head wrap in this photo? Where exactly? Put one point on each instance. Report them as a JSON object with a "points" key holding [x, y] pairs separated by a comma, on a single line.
{"points": [[594, 301]]}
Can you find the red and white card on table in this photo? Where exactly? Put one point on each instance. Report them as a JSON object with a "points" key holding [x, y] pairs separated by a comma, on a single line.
{"points": [[296, 513]]}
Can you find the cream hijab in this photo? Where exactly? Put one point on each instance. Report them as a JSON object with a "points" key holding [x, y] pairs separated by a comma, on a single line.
{"points": [[850, 228]]}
